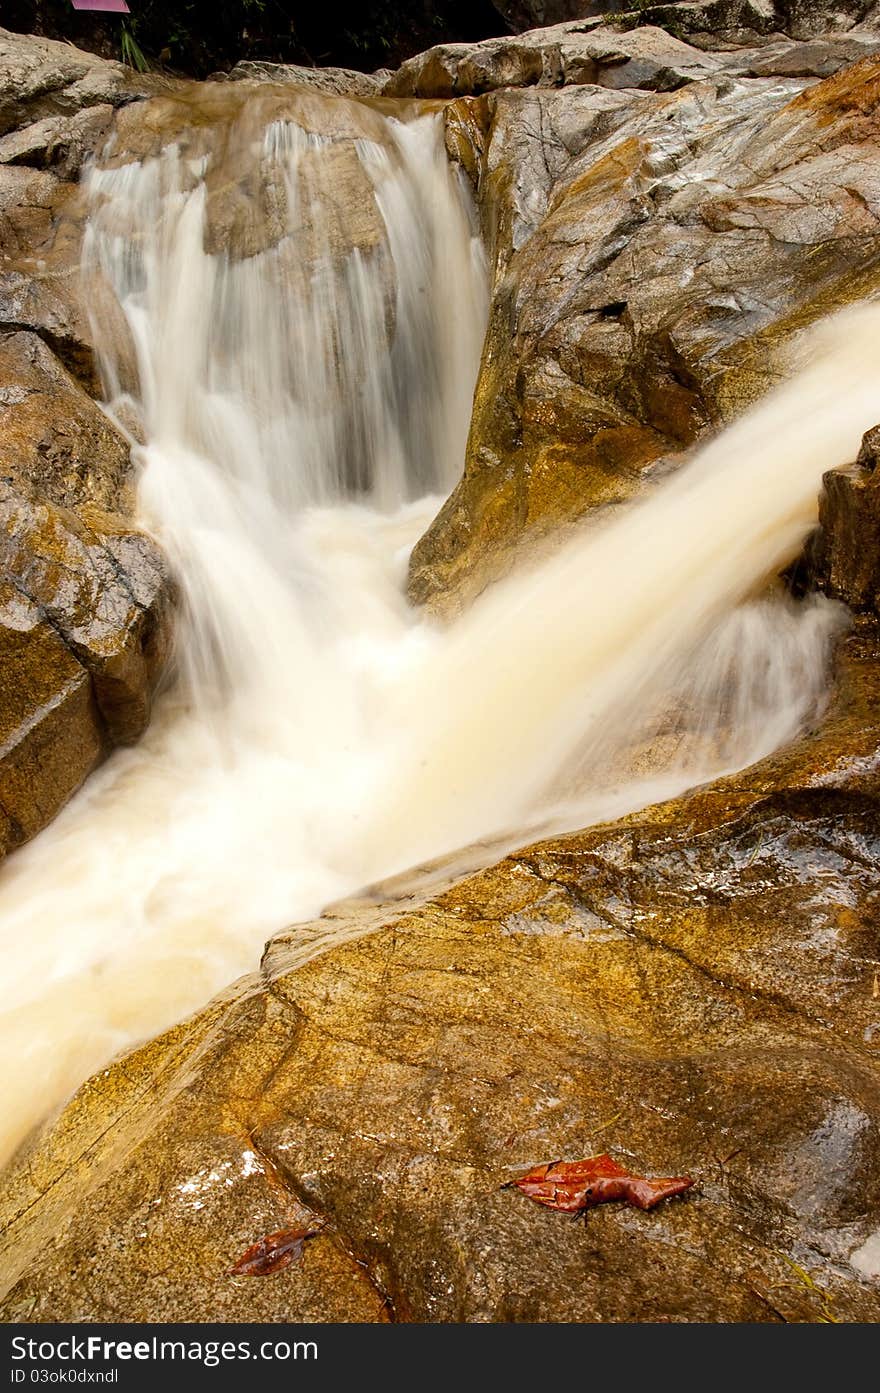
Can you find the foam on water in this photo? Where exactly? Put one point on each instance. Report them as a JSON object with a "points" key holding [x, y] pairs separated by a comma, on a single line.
{"points": [[302, 416]]}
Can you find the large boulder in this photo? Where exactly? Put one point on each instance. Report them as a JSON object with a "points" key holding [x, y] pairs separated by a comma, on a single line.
{"points": [[56, 109], [222, 124], [716, 22], [722, 23], [50, 731], [84, 627], [41, 227], [844, 555], [335, 82], [656, 258], [673, 989], [54, 439], [555, 57], [85, 597], [648, 56], [42, 78]]}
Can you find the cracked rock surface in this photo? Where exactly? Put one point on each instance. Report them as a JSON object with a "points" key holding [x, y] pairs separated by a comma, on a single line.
{"points": [[85, 598], [692, 988], [656, 259], [696, 987]]}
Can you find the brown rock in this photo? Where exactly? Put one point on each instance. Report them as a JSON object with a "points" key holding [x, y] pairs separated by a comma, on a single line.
{"points": [[846, 552], [652, 49], [557, 56], [656, 258], [50, 731], [671, 989], [41, 226], [53, 438], [62, 142], [246, 210], [104, 589], [85, 626]]}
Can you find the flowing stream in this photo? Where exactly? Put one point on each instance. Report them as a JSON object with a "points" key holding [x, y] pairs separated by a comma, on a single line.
{"points": [[300, 385]]}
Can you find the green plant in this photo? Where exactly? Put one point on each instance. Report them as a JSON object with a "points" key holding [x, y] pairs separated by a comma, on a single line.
{"points": [[131, 52]]}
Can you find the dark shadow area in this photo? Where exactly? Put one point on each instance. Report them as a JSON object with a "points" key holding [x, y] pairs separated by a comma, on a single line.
{"points": [[198, 37]]}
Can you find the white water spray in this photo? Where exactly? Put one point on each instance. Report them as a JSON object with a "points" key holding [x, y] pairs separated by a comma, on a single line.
{"points": [[302, 406]]}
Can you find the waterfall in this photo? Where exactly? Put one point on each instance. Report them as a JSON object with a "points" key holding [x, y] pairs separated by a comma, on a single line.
{"points": [[297, 387]]}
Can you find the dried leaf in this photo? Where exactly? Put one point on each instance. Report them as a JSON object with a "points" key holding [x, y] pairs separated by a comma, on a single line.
{"points": [[574, 1185], [272, 1253]]}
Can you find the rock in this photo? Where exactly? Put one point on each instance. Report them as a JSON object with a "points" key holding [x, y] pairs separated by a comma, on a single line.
{"points": [[56, 106], [84, 596], [50, 730], [845, 559], [62, 142], [669, 988], [53, 438], [815, 58], [564, 54], [337, 82], [336, 208], [85, 626], [656, 258], [533, 14], [722, 23], [41, 227], [40, 78], [647, 57], [246, 210]]}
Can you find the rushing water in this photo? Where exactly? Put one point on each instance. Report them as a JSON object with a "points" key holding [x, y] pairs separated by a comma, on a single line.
{"points": [[302, 409]]}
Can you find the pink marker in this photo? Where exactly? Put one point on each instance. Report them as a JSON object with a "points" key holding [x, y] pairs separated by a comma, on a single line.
{"points": [[116, 6]]}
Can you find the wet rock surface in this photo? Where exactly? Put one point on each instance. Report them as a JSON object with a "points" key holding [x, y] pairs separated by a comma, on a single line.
{"points": [[54, 439], [691, 989], [247, 207], [41, 226], [844, 556], [85, 622], [657, 257], [85, 598]]}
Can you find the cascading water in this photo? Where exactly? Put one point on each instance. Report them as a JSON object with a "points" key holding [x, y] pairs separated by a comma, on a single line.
{"points": [[301, 385]]}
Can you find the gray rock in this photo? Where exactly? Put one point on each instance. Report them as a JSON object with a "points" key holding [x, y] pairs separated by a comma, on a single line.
{"points": [[62, 142], [42, 77], [721, 23], [555, 57], [338, 82]]}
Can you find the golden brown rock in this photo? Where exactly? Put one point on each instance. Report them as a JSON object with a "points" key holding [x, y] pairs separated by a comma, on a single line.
{"points": [[41, 224], [54, 440], [85, 618], [103, 587], [656, 258], [670, 988], [51, 735], [844, 557]]}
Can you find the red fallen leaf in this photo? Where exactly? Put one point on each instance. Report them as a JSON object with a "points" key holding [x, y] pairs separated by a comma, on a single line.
{"points": [[574, 1185], [272, 1253]]}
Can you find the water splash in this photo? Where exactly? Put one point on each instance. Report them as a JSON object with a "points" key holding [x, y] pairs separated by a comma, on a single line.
{"points": [[301, 384]]}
